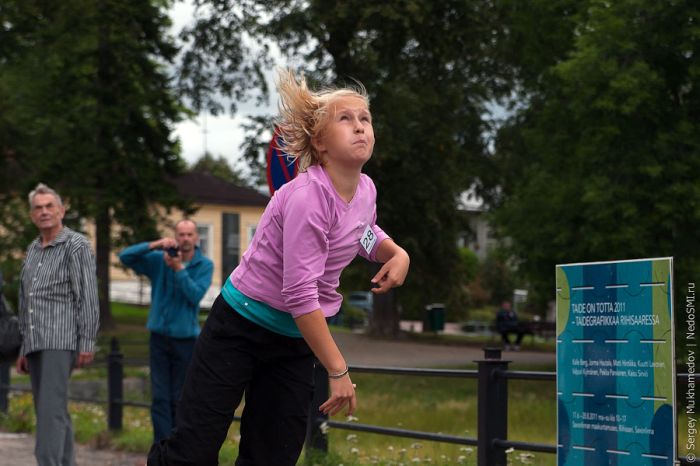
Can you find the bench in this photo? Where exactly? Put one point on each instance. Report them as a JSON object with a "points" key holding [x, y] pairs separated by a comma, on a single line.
{"points": [[546, 330], [541, 329]]}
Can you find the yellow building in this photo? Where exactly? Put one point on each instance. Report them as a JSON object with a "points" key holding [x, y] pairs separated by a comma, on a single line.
{"points": [[226, 218]]}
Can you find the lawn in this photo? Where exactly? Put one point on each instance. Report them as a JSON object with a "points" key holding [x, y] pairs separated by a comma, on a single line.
{"points": [[445, 405]]}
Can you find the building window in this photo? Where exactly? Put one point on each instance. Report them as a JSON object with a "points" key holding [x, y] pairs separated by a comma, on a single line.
{"points": [[205, 239]]}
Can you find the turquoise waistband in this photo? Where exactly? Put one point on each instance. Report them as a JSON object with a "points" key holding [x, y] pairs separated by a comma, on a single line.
{"points": [[260, 313]]}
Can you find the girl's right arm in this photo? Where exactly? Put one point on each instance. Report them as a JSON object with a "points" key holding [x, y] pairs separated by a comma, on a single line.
{"points": [[306, 221], [393, 272], [314, 329]]}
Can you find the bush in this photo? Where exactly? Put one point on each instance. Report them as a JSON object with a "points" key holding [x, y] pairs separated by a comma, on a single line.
{"points": [[353, 317], [20, 416]]}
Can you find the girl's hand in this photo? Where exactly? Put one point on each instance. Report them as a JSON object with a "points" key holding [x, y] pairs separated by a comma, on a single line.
{"points": [[393, 272], [342, 393]]}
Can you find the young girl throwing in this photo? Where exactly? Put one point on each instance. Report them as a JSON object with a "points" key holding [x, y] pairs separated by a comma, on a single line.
{"points": [[269, 321]]}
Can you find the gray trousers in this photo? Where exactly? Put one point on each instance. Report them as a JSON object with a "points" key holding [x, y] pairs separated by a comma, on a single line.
{"points": [[49, 371]]}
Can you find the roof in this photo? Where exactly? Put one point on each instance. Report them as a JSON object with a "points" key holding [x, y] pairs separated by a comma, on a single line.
{"points": [[205, 188]]}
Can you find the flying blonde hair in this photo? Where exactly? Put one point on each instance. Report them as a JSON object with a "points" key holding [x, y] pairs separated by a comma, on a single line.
{"points": [[304, 115]]}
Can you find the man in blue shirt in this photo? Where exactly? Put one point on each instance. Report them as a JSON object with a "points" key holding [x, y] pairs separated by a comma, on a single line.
{"points": [[180, 276]]}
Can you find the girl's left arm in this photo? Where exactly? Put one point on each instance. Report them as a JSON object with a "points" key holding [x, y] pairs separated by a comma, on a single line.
{"points": [[393, 272], [314, 329]]}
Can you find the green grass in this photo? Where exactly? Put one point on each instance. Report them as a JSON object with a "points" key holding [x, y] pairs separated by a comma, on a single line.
{"points": [[425, 404], [445, 405], [130, 331], [129, 314]]}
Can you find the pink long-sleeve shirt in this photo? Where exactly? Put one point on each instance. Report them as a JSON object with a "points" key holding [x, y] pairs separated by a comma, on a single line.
{"points": [[307, 235]]}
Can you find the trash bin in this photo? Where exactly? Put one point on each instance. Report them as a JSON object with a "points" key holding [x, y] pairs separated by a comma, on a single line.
{"points": [[434, 318]]}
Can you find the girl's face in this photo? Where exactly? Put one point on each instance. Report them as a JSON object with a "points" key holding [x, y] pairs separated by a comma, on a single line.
{"points": [[348, 138]]}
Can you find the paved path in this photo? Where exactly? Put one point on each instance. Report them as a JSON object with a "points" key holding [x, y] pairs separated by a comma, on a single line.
{"points": [[17, 449], [361, 350]]}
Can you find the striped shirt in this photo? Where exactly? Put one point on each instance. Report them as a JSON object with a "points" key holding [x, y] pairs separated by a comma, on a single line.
{"points": [[58, 305]]}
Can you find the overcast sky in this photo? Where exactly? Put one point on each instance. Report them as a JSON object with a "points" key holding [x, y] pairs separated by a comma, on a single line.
{"points": [[223, 133]]}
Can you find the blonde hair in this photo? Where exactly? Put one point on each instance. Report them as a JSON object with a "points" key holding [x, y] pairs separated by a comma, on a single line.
{"points": [[304, 115]]}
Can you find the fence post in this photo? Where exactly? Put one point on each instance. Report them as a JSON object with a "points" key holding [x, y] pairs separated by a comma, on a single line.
{"points": [[115, 386], [316, 439], [492, 418], [4, 386]]}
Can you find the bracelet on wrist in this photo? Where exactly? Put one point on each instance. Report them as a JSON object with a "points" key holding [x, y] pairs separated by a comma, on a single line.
{"points": [[339, 375]]}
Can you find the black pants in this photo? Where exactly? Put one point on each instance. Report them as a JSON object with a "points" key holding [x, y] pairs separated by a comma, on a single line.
{"points": [[505, 336], [233, 355]]}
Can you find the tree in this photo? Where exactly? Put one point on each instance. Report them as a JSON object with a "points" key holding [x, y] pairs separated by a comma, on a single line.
{"points": [[222, 59], [90, 107], [219, 166], [17, 232], [603, 162], [428, 95]]}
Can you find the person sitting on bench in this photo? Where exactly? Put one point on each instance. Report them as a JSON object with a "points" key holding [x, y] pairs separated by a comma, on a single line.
{"points": [[507, 324]]}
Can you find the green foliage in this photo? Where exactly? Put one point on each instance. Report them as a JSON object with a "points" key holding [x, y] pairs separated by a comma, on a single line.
{"points": [[428, 98], [353, 317], [493, 283], [87, 84], [88, 420], [16, 232], [218, 64], [602, 163], [470, 262], [88, 109], [484, 314], [137, 438], [497, 277], [20, 415], [220, 167]]}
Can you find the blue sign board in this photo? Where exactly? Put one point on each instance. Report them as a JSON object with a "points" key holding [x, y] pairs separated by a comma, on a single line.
{"points": [[615, 364]]}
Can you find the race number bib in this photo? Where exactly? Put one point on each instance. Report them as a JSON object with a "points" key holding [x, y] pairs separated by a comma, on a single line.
{"points": [[368, 239]]}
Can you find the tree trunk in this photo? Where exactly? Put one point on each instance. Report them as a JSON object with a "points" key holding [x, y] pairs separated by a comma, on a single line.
{"points": [[102, 236], [103, 219], [385, 314]]}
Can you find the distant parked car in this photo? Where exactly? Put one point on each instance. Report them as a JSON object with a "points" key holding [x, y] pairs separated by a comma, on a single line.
{"points": [[361, 299]]}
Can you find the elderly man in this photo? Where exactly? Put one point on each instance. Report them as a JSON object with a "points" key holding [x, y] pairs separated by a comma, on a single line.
{"points": [[180, 276], [59, 319]]}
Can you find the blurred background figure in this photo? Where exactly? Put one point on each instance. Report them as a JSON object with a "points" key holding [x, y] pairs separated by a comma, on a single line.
{"points": [[59, 318], [507, 324], [180, 276]]}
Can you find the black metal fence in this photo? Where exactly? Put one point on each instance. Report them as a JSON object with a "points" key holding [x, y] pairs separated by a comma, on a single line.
{"points": [[492, 376], [492, 441]]}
